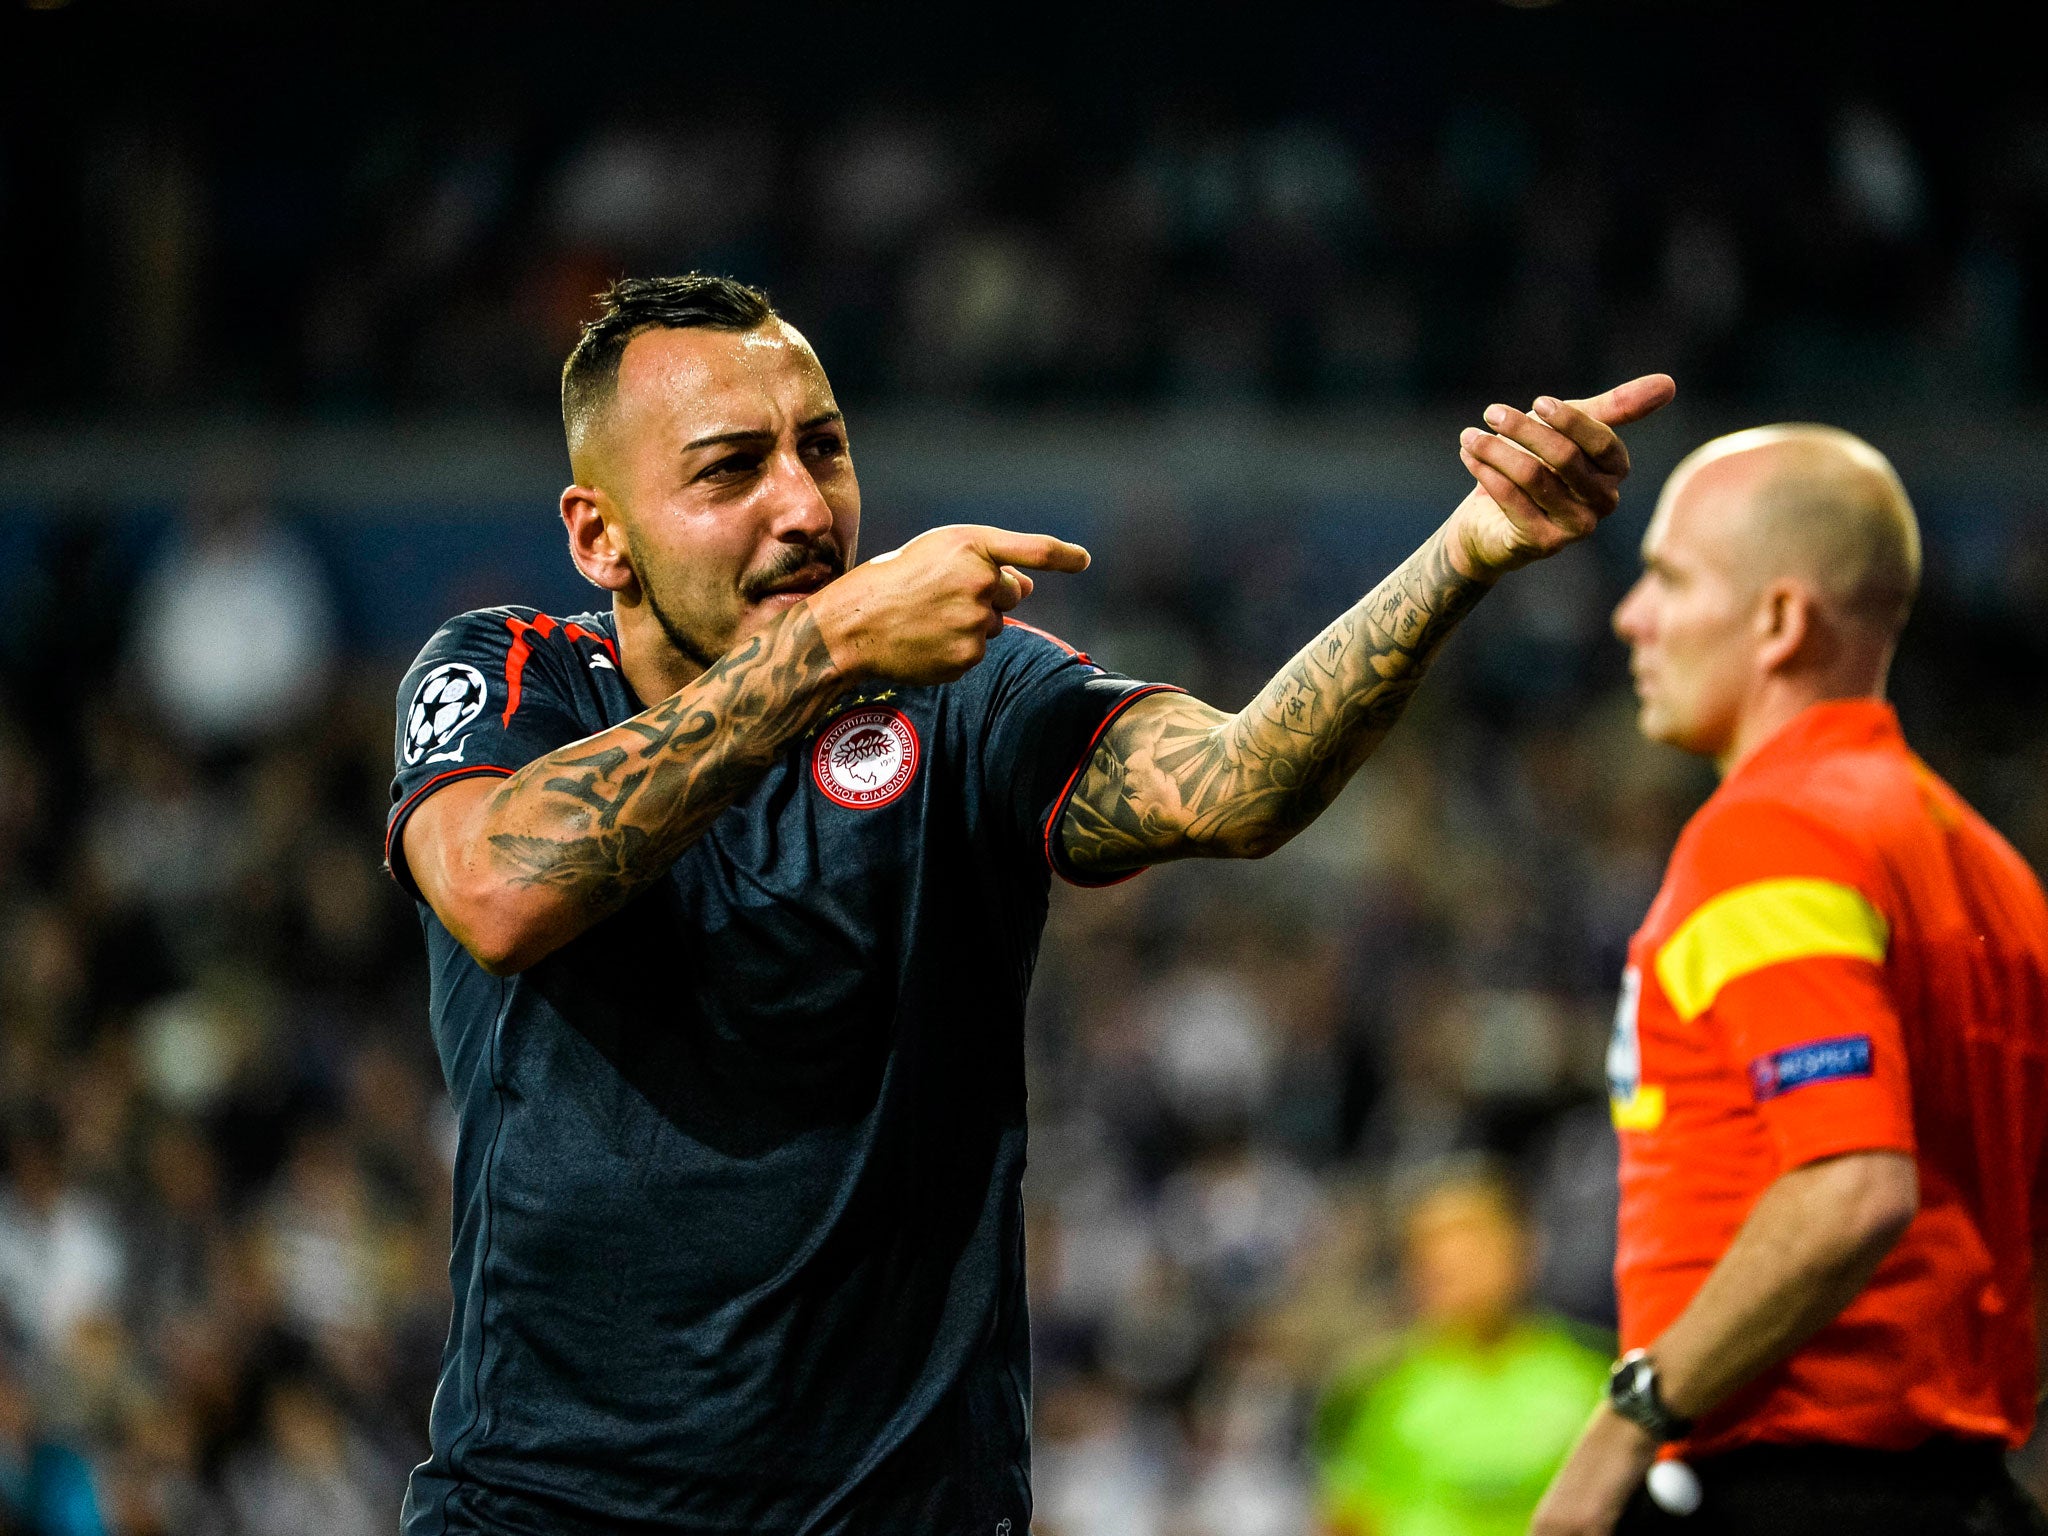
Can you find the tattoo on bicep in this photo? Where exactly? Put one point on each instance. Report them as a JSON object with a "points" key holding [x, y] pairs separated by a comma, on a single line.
{"points": [[1174, 778]]}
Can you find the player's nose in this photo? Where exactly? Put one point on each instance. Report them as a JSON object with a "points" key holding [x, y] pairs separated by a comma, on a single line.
{"points": [[799, 504]]}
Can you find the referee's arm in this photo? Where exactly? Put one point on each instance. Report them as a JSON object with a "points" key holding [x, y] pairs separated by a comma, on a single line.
{"points": [[1175, 778], [1810, 1244], [1808, 1247]]}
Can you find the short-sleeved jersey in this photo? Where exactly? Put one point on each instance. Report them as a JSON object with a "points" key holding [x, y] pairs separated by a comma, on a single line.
{"points": [[738, 1231], [1843, 957]]}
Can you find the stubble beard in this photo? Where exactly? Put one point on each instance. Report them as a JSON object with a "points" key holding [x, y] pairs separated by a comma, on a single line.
{"points": [[695, 647], [686, 644]]}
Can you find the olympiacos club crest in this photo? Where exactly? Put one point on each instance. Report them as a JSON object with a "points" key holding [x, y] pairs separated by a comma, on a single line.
{"points": [[866, 757]]}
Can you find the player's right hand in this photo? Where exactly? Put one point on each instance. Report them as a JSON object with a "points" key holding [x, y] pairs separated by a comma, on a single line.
{"points": [[926, 612], [1547, 476]]}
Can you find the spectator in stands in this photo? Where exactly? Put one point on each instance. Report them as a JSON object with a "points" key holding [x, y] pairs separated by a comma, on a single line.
{"points": [[235, 633], [1457, 1433]]}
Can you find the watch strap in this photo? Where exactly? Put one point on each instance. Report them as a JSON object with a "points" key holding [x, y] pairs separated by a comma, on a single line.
{"points": [[1632, 1393]]}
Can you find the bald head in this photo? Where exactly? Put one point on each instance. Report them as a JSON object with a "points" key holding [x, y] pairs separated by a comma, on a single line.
{"points": [[1777, 572], [1812, 503]]}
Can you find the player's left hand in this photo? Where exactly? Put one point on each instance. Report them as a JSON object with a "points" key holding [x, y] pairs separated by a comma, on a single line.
{"points": [[1588, 1494], [1547, 476]]}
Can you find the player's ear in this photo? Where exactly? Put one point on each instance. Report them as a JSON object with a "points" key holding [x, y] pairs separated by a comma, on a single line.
{"points": [[597, 538]]}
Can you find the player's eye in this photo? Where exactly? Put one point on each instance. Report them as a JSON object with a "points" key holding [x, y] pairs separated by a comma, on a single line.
{"points": [[825, 445], [733, 466]]}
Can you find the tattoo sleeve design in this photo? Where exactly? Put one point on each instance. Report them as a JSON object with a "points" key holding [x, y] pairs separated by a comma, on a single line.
{"points": [[1175, 778], [601, 818]]}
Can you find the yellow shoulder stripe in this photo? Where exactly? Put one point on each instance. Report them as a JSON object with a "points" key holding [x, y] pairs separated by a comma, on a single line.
{"points": [[1765, 923]]}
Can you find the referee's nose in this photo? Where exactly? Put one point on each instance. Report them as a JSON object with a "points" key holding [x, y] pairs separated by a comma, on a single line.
{"points": [[1631, 613]]}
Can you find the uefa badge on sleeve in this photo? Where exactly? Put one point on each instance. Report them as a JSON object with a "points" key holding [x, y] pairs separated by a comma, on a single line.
{"points": [[866, 758], [449, 698]]}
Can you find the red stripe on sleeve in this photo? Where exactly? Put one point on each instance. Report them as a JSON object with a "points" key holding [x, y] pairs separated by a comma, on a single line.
{"points": [[578, 632], [405, 807], [1046, 634], [1059, 805], [515, 658], [522, 648]]}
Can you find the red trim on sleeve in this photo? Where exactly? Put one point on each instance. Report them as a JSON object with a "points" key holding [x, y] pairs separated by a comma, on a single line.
{"points": [[405, 806], [1059, 805], [1046, 634], [522, 647], [578, 632], [515, 658]]}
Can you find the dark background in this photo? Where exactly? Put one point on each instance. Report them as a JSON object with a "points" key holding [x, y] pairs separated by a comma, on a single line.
{"points": [[282, 305]]}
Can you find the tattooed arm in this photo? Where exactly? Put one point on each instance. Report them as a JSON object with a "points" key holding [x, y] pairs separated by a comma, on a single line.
{"points": [[1175, 778], [515, 868]]}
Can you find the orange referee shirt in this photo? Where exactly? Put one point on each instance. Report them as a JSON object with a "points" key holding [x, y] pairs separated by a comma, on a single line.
{"points": [[1844, 957]]}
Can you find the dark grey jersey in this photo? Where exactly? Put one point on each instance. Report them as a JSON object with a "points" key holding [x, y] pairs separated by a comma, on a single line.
{"points": [[738, 1232]]}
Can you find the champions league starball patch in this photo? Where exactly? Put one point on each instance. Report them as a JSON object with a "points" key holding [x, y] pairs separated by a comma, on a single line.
{"points": [[448, 699], [866, 758]]}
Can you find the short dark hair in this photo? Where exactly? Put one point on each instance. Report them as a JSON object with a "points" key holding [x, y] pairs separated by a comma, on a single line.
{"points": [[634, 304]]}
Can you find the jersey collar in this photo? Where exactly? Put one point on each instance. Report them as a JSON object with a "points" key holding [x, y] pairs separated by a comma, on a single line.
{"points": [[1833, 725]]}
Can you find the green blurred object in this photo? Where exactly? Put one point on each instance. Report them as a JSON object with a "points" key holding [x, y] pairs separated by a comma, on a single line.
{"points": [[1454, 1438]]}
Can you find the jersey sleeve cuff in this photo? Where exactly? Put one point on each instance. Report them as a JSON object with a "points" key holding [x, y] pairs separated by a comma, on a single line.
{"points": [[1055, 858], [394, 829]]}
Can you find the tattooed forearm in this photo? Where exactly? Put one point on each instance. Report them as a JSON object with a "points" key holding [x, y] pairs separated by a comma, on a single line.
{"points": [[603, 817], [1175, 778]]}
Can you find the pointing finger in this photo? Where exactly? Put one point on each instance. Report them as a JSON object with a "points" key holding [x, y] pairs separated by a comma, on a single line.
{"points": [[1631, 401], [1032, 551], [1591, 423]]}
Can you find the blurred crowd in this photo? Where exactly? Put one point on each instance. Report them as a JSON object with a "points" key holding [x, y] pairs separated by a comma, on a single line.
{"points": [[1313, 1139], [224, 1216], [1441, 201], [1322, 1186]]}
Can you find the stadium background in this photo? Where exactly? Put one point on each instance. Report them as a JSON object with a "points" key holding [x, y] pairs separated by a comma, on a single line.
{"points": [[281, 307]]}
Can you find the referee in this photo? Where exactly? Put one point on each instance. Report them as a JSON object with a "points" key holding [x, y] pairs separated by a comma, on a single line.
{"points": [[1830, 1061], [731, 895]]}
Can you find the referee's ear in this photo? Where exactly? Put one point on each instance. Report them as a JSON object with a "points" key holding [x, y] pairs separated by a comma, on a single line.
{"points": [[597, 538], [1787, 631]]}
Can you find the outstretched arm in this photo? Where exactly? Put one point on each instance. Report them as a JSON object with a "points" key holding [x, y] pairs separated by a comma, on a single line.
{"points": [[1176, 778], [515, 869]]}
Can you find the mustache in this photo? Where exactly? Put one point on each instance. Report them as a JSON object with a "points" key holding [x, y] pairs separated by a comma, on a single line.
{"points": [[788, 561]]}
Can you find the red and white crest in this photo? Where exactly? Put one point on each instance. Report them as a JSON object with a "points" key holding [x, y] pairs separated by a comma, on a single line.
{"points": [[866, 757]]}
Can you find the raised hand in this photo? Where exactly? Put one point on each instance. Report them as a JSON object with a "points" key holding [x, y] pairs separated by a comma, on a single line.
{"points": [[1547, 476], [926, 612]]}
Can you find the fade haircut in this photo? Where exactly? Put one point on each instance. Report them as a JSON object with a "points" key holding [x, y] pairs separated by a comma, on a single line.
{"points": [[590, 378]]}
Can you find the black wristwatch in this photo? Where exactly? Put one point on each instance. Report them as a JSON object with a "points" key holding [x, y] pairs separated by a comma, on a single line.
{"points": [[1632, 1393]]}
